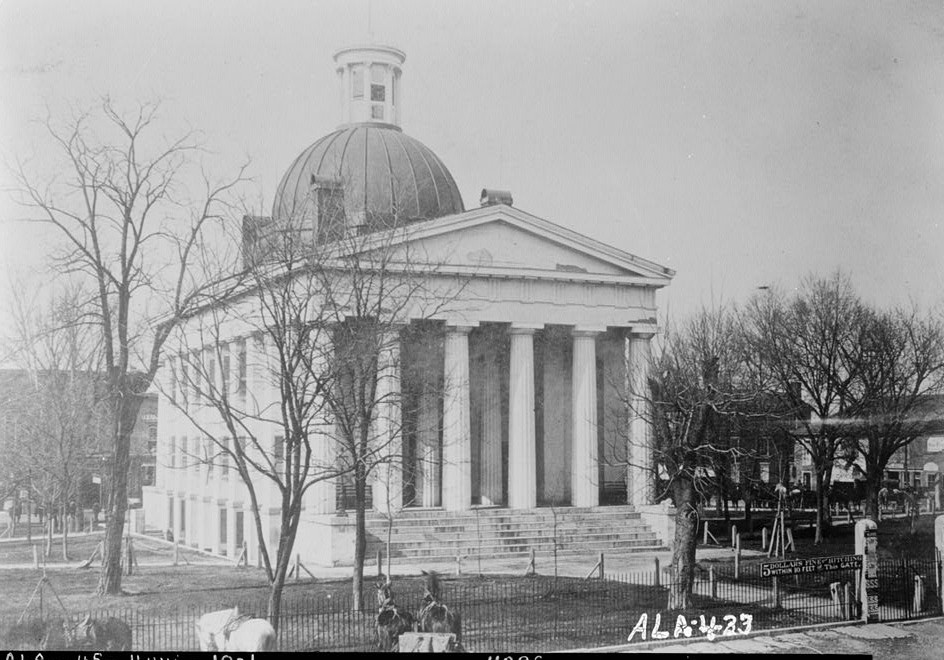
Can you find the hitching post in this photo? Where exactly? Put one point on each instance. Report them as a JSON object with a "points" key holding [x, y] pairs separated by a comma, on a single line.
{"points": [[939, 544], [763, 538], [866, 545], [656, 560]]}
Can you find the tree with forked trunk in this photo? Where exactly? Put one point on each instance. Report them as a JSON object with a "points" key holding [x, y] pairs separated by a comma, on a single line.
{"points": [[321, 314], [129, 232]]}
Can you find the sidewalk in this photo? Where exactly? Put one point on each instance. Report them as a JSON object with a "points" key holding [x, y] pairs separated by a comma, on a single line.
{"points": [[917, 640]]}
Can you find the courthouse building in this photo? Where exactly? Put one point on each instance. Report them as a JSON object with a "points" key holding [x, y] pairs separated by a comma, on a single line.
{"points": [[523, 400]]}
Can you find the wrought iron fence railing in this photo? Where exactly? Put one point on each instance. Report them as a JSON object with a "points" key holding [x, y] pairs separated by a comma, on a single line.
{"points": [[543, 613]]}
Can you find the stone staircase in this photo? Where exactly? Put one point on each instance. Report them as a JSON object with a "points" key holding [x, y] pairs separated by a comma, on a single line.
{"points": [[438, 536]]}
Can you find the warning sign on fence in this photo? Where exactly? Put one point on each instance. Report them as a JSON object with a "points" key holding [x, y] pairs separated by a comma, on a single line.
{"points": [[812, 565]]}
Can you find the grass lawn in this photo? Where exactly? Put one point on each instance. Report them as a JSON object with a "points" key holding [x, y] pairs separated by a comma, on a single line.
{"points": [[503, 612], [895, 540]]}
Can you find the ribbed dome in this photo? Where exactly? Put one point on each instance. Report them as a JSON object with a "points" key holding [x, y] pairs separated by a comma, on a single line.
{"points": [[383, 173]]}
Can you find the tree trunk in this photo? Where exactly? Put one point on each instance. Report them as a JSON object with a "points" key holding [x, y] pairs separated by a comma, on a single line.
{"points": [[360, 536], [126, 408], [686, 537], [873, 485], [277, 586], [64, 513], [820, 503]]}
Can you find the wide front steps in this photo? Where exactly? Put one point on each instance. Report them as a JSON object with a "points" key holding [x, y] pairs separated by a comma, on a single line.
{"points": [[435, 535]]}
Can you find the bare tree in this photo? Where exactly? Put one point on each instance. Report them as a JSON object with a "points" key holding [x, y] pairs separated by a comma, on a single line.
{"points": [[120, 207], [60, 412], [325, 304], [801, 344], [898, 365], [697, 385]]}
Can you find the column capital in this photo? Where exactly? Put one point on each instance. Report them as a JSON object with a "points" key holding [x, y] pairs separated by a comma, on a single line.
{"points": [[465, 327], [588, 330], [642, 331], [524, 328]]}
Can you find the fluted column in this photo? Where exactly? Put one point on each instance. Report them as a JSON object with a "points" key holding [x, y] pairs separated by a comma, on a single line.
{"points": [[457, 433], [388, 476], [641, 487], [522, 480], [490, 469], [585, 460], [428, 450]]}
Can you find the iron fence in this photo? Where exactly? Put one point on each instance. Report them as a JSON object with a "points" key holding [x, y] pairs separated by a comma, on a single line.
{"points": [[544, 613]]}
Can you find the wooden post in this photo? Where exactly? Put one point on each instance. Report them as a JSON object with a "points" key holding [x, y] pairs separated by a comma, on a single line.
{"points": [[705, 539], [712, 585], [458, 564], [737, 564], [658, 575], [776, 594], [763, 538], [601, 566], [918, 604], [734, 531], [846, 602], [35, 557], [782, 544], [380, 557]]}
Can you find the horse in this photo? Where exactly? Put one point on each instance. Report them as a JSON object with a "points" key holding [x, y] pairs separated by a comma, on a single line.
{"points": [[392, 621], [227, 630], [435, 616]]}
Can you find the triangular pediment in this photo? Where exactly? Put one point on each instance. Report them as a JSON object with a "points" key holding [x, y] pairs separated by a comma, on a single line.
{"points": [[504, 240]]}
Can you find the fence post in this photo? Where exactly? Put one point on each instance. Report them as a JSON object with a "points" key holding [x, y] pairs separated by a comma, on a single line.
{"points": [[776, 593], [939, 544], [918, 594], [737, 561], [657, 580], [763, 538], [734, 531], [712, 587]]}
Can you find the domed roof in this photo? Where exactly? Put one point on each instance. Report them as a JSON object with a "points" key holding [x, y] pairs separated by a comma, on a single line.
{"points": [[382, 172]]}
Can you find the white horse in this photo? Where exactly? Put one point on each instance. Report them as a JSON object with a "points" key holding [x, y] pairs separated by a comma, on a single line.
{"points": [[227, 630]]}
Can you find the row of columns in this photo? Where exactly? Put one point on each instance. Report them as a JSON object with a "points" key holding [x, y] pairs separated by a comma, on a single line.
{"points": [[456, 448]]}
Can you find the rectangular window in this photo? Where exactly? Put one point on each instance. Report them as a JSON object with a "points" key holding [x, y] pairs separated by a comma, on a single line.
{"points": [[197, 378], [278, 451], [378, 93], [932, 479], [224, 369], [224, 460], [376, 112], [807, 478], [183, 453], [184, 381], [935, 444], [357, 83], [377, 73], [209, 452], [172, 450], [211, 376], [241, 367]]}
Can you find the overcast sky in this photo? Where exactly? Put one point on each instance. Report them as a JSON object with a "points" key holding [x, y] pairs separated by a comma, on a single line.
{"points": [[738, 143]]}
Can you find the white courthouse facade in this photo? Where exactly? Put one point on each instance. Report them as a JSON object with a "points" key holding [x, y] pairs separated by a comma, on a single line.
{"points": [[524, 399]]}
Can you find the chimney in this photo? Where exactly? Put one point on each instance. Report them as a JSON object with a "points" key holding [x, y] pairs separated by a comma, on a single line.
{"points": [[492, 197]]}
